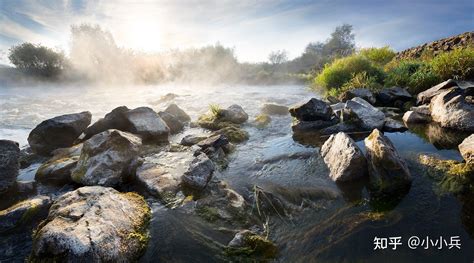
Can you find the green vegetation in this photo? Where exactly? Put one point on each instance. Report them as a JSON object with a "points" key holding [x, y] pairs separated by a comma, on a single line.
{"points": [[380, 56], [456, 64], [37, 60], [254, 246], [234, 134]]}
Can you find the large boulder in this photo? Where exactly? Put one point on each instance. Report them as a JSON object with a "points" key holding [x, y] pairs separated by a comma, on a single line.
{"points": [[344, 158], [313, 110], [58, 132], [362, 93], [173, 123], [234, 114], [161, 173], [365, 115], [147, 123], [199, 173], [467, 149], [426, 96], [24, 212], [387, 170], [415, 117], [58, 169], [93, 224], [113, 120], [105, 158], [176, 111], [451, 110], [274, 109], [388, 96], [9, 164]]}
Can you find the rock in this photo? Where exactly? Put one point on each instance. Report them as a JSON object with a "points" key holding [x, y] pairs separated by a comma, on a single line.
{"points": [[451, 110], [387, 170], [93, 224], [340, 127], [247, 243], [113, 120], [415, 117], [274, 109], [28, 158], [332, 99], [262, 120], [199, 173], [26, 188], [233, 134], [148, 124], [313, 110], [364, 114], [310, 126], [234, 114], [466, 148], [392, 125], [105, 158], [190, 140], [161, 173], [362, 93], [24, 212], [216, 141], [423, 109], [58, 169], [426, 96], [58, 132], [182, 116], [9, 164], [344, 158], [388, 96], [173, 123]]}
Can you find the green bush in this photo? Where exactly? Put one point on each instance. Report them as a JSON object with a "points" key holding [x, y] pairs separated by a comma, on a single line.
{"points": [[380, 56], [399, 72], [342, 70], [37, 59], [456, 64], [422, 79]]}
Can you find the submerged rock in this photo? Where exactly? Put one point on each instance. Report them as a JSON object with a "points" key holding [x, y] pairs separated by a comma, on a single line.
{"points": [[233, 134], [415, 117], [58, 169], [387, 170], [313, 110], [362, 93], [9, 164], [176, 111], [58, 132], [24, 212], [262, 121], [161, 173], [105, 158], [249, 244], [199, 173], [466, 148], [426, 96], [365, 115], [93, 224], [451, 110], [234, 114], [344, 158], [148, 124], [173, 123], [274, 109]]}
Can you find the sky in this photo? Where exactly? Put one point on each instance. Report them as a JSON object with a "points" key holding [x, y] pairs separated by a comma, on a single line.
{"points": [[252, 27]]}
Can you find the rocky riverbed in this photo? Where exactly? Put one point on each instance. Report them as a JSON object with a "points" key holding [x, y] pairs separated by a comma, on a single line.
{"points": [[243, 173]]}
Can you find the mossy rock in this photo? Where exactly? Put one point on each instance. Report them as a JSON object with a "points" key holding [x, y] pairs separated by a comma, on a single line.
{"points": [[453, 177], [212, 122], [262, 120], [210, 214], [253, 247], [234, 134]]}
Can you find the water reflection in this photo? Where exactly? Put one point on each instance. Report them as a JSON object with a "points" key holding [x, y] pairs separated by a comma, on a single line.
{"points": [[440, 137]]}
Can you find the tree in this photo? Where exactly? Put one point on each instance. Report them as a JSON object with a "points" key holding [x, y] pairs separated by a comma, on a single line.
{"points": [[278, 57], [341, 43], [37, 59]]}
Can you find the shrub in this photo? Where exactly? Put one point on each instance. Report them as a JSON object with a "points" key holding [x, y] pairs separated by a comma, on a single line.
{"points": [[400, 71], [37, 59], [456, 64], [342, 70], [423, 79], [380, 56], [362, 80]]}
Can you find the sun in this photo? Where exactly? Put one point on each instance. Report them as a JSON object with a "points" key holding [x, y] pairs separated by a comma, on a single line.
{"points": [[143, 35]]}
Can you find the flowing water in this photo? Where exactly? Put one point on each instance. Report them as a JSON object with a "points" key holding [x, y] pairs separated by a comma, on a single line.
{"points": [[328, 223]]}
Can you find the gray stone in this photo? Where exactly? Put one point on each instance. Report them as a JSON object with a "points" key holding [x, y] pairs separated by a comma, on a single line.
{"points": [[58, 169], [234, 114], [274, 109], [466, 148], [387, 170], [182, 116], [362, 93], [426, 96], [392, 125], [9, 164], [364, 114], [388, 96], [93, 224], [173, 123], [309, 126], [313, 110], [344, 158], [58, 132], [216, 141], [105, 158], [113, 120], [415, 117], [190, 140], [451, 110], [24, 212], [199, 173], [423, 109], [148, 124]]}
